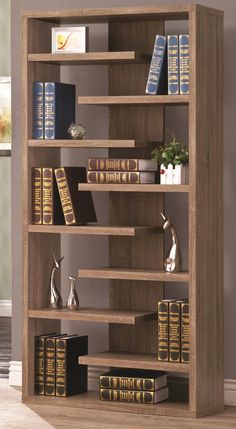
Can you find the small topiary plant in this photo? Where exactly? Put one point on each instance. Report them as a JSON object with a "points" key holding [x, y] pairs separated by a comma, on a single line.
{"points": [[173, 153]]}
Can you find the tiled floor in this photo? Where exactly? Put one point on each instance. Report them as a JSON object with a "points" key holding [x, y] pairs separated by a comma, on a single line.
{"points": [[5, 346]]}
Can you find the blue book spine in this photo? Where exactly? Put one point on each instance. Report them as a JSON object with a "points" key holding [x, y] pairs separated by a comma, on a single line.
{"points": [[38, 110], [184, 63], [173, 64], [49, 112], [156, 76]]}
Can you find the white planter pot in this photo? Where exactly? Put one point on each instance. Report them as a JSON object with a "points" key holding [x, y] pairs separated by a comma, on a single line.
{"points": [[174, 175]]}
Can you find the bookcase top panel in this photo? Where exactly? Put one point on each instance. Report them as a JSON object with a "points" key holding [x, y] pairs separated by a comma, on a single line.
{"points": [[168, 12]]}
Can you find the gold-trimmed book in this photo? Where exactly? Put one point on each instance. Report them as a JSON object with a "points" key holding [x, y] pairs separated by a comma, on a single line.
{"points": [[142, 396], [185, 332], [163, 329], [133, 379], [121, 177], [174, 331], [52, 210], [39, 362], [116, 164], [37, 201]]}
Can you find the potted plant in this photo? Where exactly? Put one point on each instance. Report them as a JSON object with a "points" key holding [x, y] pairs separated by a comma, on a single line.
{"points": [[173, 163]]}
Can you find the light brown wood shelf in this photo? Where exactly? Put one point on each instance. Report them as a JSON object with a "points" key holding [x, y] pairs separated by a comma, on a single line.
{"points": [[126, 187], [132, 360], [91, 58], [90, 143], [99, 315], [131, 231], [134, 100], [133, 274]]}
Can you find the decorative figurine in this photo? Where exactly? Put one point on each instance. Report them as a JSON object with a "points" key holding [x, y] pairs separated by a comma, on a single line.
{"points": [[73, 301], [54, 297], [173, 261], [76, 131]]}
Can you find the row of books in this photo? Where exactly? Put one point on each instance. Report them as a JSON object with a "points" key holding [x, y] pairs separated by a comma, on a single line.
{"points": [[108, 170], [173, 330], [57, 369], [169, 69], [53, 109], [133, 385], [56, 199]]}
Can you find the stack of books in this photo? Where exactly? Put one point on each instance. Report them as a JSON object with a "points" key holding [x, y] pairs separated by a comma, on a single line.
{"points": [[173, 330], [57, 369], [133, 385], [107, 170], [56, 199], [169, 69]]}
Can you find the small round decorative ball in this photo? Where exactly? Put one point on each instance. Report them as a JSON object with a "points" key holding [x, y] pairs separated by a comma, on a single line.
{"points": [[76, 131]]}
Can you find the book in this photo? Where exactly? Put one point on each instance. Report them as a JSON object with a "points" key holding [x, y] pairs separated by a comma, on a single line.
{"points": [[59, 110], [120, 177], [173, 64], [37, 195], [108, 164], [157, 82], [174, 331], [133, 379], [50, 365], [39, 362], [71, 377], [38, 110], [134, 395], [185, 332], [52, 209], [163, 329], [77, 205], [184, 63]]}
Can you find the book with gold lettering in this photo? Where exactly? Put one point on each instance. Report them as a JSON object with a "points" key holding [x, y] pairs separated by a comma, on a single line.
{"points": [[173, 64], [39, 363], [50, 365], [110, 164], [133, 379], [142, 396], [37, 202], [184, 63], [77, 205], [121, 177], [174, 331], [52, 210], [185, 332], [163, 329]]}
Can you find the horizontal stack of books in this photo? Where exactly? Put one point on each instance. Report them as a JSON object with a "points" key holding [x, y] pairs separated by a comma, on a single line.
{"points": [[169, 69], [53, 109], [56, 199], [133, 385], [107, 170], [173, 330], [57, 369]]}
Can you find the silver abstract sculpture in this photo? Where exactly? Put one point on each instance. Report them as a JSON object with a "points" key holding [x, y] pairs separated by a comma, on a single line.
{"points": [[76, 131], [73, 301], [54, 297], [173, 261]]}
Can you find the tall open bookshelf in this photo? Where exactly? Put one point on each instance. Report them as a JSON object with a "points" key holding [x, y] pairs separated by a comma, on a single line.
{"points": [[136, 244]]}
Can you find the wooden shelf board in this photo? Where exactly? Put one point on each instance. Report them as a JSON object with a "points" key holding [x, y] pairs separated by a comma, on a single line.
{"points": [[100, 315], [138, 100], [90, 143], [91, 58], [126, 187], [90, 400], [131, 231], [133, 274], [132, 360]]}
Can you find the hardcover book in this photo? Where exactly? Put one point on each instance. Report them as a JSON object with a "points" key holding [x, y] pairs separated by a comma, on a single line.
{"points": [[133, 379], [184, 63], [50, 365], [52, 209], [121, 177], [59, 111], [163, 329], [71, 377], [38, 110], [173, 64], [174, 331], [39, 365], [134, 395], [77, 205], [157, 79], [37, 202], [108, 164], [185, 332]]}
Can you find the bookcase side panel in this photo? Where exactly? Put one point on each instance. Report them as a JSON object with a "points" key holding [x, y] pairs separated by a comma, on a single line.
{"points": [[206, 212], [145, 123]]}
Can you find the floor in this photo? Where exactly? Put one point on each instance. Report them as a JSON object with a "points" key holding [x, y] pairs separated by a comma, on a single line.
{"points": [[5, 346], [13, 414]]}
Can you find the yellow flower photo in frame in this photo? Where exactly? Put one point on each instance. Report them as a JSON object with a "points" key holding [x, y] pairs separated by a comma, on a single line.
{"points": [[69, 39]]}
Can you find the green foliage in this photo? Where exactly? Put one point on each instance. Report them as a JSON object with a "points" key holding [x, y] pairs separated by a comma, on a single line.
{"points": [[173, 153]]}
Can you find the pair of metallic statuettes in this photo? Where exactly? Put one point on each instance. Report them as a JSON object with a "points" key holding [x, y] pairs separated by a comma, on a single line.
{"points": [[172, 264], [54, 297]]}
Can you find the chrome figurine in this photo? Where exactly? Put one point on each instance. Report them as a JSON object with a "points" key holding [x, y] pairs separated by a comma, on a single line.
{"points": [[173, 261], [54, 297], [76, 131], [73, 301]]}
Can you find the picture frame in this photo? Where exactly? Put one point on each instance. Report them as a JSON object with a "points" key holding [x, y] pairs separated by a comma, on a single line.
{"points": [[70, 39], [5, 111]]}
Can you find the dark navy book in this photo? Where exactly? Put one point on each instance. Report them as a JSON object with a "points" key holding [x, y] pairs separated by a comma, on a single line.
{"points": [[59, 109], [157, 77], [173, 64], [38, 110], [184, 63]]}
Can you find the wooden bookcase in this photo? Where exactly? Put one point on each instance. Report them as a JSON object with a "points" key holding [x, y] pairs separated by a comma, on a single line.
{"points": [[135, 237]]}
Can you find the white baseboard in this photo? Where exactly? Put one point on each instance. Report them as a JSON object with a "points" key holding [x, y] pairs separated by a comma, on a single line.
{"points": [[5, 308], [15, 379]]}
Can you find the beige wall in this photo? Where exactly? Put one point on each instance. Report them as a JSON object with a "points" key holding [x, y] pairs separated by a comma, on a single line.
{"points": [[83, 251]]}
